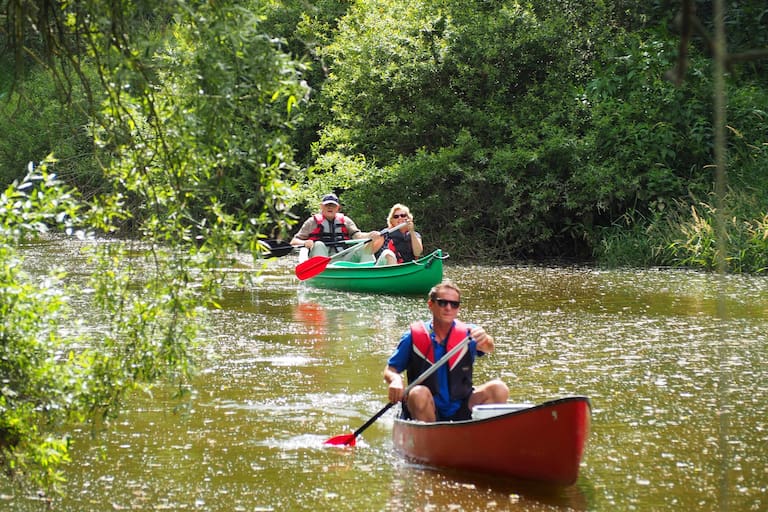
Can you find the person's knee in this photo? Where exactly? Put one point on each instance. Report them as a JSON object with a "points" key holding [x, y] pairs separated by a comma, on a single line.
{"points": [[420, 398], [387, 257], [499, 390], [492, 392], [319, 249], [420, 404], [420, 394], [365, 254]]}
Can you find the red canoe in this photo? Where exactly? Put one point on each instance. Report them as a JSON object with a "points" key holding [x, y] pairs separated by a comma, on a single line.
{"points": [[542, 442]]}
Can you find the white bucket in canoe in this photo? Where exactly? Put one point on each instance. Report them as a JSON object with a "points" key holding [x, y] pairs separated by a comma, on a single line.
{"points": [[481, 412]]}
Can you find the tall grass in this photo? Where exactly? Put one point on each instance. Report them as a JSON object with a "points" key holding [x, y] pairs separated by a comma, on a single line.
{"points": [[635, 240], [746, 242], [685, 236]]}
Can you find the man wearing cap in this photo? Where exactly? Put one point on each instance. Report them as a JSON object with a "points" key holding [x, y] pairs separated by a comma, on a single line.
{"points": [[325, 232]]}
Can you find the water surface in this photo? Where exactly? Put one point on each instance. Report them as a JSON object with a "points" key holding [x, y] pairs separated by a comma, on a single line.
{"points": [[672, 361]]}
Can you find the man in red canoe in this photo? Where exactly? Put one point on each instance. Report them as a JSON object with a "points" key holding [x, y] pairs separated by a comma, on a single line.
{"points": [[325, 232], [448, 394]]}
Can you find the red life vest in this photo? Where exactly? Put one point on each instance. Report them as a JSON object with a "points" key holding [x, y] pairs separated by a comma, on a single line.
{"points": [[338, 234], [391, 247], [459, 365]]}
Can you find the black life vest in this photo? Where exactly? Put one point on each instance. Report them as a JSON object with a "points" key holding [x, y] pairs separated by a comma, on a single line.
{"points": [[459, 365], [400, 244]]}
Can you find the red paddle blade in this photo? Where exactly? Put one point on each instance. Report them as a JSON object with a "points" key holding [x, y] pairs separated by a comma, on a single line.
{"points": [[311, 267], [344, 439]]}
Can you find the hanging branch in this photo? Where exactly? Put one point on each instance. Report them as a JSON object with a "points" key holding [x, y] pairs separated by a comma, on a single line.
{"points": [[684, 21], [687, 23]]}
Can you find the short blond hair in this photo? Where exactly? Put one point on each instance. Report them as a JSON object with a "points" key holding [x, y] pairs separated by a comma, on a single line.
{"points": [[445, 283], [396, 207]]}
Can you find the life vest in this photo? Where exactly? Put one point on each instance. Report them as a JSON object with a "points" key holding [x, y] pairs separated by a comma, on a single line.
{"points": [[459, 365], [400, 244], [338, 229]]}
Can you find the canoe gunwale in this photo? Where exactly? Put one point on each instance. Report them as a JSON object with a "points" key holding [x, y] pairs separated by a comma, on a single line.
{"points": [[498, 417], [425, 260], [544, 442], [411, 278]]}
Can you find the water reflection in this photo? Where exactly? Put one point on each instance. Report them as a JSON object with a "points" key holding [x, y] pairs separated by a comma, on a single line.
{"points": [[433, 489], [312, 315], [673, 362]]}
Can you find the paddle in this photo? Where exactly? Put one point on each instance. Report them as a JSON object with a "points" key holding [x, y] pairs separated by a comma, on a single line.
{"points": [[349, 439], [278, 248], [317, 264]]}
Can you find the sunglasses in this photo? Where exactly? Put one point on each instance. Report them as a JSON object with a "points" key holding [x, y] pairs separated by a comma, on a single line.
{"points": [[444, 302], [400, 216]]}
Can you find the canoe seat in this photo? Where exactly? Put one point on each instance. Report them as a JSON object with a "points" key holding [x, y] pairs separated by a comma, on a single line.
{"points": [[347, 264]]}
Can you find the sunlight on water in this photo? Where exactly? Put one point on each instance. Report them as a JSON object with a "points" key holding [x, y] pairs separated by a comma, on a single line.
{"points": [[300, 442], [673, 362]]}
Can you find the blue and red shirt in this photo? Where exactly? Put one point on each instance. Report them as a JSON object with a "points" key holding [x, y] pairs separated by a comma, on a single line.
{"points": [[451, 384]]}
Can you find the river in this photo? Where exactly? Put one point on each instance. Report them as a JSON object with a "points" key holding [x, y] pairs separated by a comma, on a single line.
{"points": [[672, 360]]}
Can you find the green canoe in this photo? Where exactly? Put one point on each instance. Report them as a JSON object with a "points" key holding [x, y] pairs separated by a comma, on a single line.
{"points": [[412, 278]]}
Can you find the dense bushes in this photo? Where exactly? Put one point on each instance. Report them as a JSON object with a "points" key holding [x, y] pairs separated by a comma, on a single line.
{"points": [[460, 105], [532, 132], [516, 130], [35, 120]]}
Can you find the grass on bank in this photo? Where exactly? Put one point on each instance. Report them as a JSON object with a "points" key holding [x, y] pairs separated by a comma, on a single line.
{"points": [[684, 235]]}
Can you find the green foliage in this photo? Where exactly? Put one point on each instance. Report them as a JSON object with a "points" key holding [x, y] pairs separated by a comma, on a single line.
{"points": [[638, 165], [636, 240], [192, 136], [556, 108], [746, 245], [646, 135], [441, 69], [685, 234], [212, 139], [747, 124], [305, 27], [563, 107], [41, 384], [53, 378], [698, 248], [36, 121], [451, 103]]}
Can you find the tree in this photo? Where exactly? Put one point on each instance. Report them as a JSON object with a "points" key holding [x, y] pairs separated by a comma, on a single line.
{"points": [[458, 106], [525, 129], [193, 105]]}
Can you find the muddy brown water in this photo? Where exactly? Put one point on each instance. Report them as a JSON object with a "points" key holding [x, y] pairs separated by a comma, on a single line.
{"points": [[673, 361]]}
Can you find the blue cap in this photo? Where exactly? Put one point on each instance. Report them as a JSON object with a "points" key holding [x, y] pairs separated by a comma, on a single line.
{"points": [[331, 199]]}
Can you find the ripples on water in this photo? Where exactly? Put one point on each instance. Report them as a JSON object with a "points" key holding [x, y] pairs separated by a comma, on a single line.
{"points": [[673, 362], [661, 366]]}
